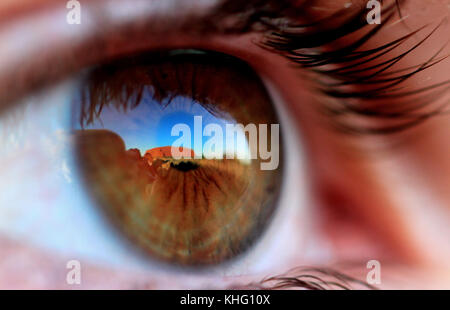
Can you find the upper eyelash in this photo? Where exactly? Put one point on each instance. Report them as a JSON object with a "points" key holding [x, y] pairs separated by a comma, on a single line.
{"points": [[302, 43], [99, 90]]}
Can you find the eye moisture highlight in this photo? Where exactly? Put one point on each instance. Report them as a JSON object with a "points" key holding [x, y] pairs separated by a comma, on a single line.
{"points": [[204, 207]]}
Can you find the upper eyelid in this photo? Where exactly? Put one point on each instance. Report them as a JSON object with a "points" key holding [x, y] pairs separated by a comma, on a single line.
{"points": [[45, 47], [104, 35]]}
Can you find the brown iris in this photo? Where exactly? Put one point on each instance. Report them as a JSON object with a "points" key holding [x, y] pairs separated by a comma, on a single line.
{"points": [[194, 211]]}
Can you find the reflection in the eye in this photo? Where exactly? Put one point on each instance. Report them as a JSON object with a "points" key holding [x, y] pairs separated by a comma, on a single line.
{"points": [[195, 210]]}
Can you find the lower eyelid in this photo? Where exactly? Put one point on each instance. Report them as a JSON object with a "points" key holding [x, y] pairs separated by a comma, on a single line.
{"points": [[42, 270]]}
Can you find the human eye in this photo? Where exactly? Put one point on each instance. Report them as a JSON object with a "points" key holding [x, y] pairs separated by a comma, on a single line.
{"points": [[356, 104]]}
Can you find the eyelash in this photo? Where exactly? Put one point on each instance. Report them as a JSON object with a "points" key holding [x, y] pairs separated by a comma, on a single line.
{"points": [[311, 278], [352, 69]]}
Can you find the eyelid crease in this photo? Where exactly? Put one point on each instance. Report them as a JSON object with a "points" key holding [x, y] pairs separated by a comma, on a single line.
{"points": [[56, 49], [43, 61]]}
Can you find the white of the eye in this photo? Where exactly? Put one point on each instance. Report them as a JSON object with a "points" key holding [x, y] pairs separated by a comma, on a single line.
{"points": [[43, 201]]}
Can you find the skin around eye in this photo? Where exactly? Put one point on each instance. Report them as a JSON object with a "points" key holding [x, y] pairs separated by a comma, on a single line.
{"points": [[399, 198], [210, 204]]}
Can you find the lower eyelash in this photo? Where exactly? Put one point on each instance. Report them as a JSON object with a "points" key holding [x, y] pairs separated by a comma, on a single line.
{"points": [[310, 278]]}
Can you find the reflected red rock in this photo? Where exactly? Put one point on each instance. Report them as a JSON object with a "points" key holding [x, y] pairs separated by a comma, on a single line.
{"points": [[188, 211], [165, 152]]}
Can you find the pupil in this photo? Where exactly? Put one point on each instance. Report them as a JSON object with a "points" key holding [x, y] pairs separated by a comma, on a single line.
{"points": [[184, 166]]}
